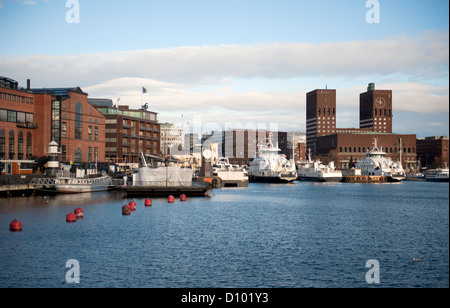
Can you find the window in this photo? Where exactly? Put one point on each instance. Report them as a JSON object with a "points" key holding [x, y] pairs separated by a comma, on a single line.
{"points": [[64, 130], [12, 116], [78, 156], [90, 154], [3, 115], [2, 144], [12, 152], [90, 132], [64, 153], [29, 146], [95, 154], [78, 121], [96, 133], [20, 146]]}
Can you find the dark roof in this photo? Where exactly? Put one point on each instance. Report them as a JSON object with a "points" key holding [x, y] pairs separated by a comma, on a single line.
{"points": [[58, 91]]}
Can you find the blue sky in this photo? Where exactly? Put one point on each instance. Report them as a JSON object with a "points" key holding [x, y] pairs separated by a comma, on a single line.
{"points": [[237, 61]]}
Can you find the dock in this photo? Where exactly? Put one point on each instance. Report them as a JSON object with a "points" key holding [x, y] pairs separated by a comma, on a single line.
{"points": [[162, 191]]}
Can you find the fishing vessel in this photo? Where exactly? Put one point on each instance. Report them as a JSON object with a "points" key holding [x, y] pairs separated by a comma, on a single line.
{"points": [[227, 175], [317, 172], [81, 182], [271, 167], [438, 175], [376, 167]]}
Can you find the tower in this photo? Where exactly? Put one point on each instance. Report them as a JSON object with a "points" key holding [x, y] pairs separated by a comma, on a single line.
{"points": [[53, 164], [320, 116], [375, 107]]}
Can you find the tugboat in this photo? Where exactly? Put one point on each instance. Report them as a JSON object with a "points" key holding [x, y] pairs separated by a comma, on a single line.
{"points": [[271, 167], [317, 172], [376, 167]]}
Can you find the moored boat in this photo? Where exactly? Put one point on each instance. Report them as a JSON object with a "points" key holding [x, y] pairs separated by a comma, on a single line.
{"points": [[317, 172], [271, 167], [380, 167], [70, 183], [438, 175]]}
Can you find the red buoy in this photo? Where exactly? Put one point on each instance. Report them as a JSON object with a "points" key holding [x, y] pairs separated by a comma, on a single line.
{"points": [[79, 213], [171, 199], [71, 217], [148, 202], [132, 206], [183, 197], [126, 210], [15, 226]]}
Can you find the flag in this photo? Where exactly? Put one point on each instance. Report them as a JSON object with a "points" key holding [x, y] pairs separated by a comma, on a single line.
{"points": [[144, 90]]}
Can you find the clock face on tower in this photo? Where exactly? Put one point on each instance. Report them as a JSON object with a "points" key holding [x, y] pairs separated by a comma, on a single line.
{"points": [[380, 102]]}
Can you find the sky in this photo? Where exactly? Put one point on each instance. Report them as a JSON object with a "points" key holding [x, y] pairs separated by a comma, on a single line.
{"points": [[227, 63]]}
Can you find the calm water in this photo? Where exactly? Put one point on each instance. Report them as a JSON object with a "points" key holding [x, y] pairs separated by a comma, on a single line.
{"points": [[299, 235]]}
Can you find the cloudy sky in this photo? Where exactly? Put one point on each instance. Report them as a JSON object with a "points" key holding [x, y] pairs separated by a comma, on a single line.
{"points": [[237, 63]]}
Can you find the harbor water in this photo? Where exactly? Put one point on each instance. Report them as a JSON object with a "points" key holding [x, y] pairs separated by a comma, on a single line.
{"points": [[264, 236]]}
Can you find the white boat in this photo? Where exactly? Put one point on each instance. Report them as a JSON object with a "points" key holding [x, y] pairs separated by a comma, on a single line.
{"points": [[70, 183], [438, 175], [317, 172], [271, 167], [377, 164], [227, 175]]}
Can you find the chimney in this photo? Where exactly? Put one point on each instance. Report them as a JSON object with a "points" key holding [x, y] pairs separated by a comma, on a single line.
{"points": [[28, 84]]}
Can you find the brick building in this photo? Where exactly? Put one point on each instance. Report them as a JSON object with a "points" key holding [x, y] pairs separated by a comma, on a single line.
{"points": [[346, 148], [66, 116], [129, 133], [31, 118], [348, 145], [432, 152]]}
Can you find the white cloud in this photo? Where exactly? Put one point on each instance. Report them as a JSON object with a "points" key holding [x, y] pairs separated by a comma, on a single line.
{"points": [[224, 82]]}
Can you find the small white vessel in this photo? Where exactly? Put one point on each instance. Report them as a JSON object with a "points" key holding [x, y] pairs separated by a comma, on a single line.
{"points": [[271, 167], [317, 172], [70, 183], [227, 175], [438, 175], [377, 164]]}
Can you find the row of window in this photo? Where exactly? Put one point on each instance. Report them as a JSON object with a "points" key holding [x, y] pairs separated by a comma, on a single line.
{"points": [[17, 98], [78, 157], [23, 150], [364, 149], [16, 116]]}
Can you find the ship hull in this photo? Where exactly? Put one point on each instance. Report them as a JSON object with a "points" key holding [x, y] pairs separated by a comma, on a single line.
{"points": [[270, 179]]}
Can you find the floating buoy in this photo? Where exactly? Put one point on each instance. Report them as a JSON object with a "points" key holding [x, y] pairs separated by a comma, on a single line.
{"points": [[15, 226], [132, 206], [148, 202], [71, 217], [126, 210], [183, 197], [171, 199], [79, 213]]}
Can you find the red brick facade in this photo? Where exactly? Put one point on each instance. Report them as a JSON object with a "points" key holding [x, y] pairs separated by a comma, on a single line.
{"points": [[31, 118]]}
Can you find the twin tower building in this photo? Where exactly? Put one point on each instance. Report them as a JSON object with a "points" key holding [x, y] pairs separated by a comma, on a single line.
{"points": [[351, 144]]}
